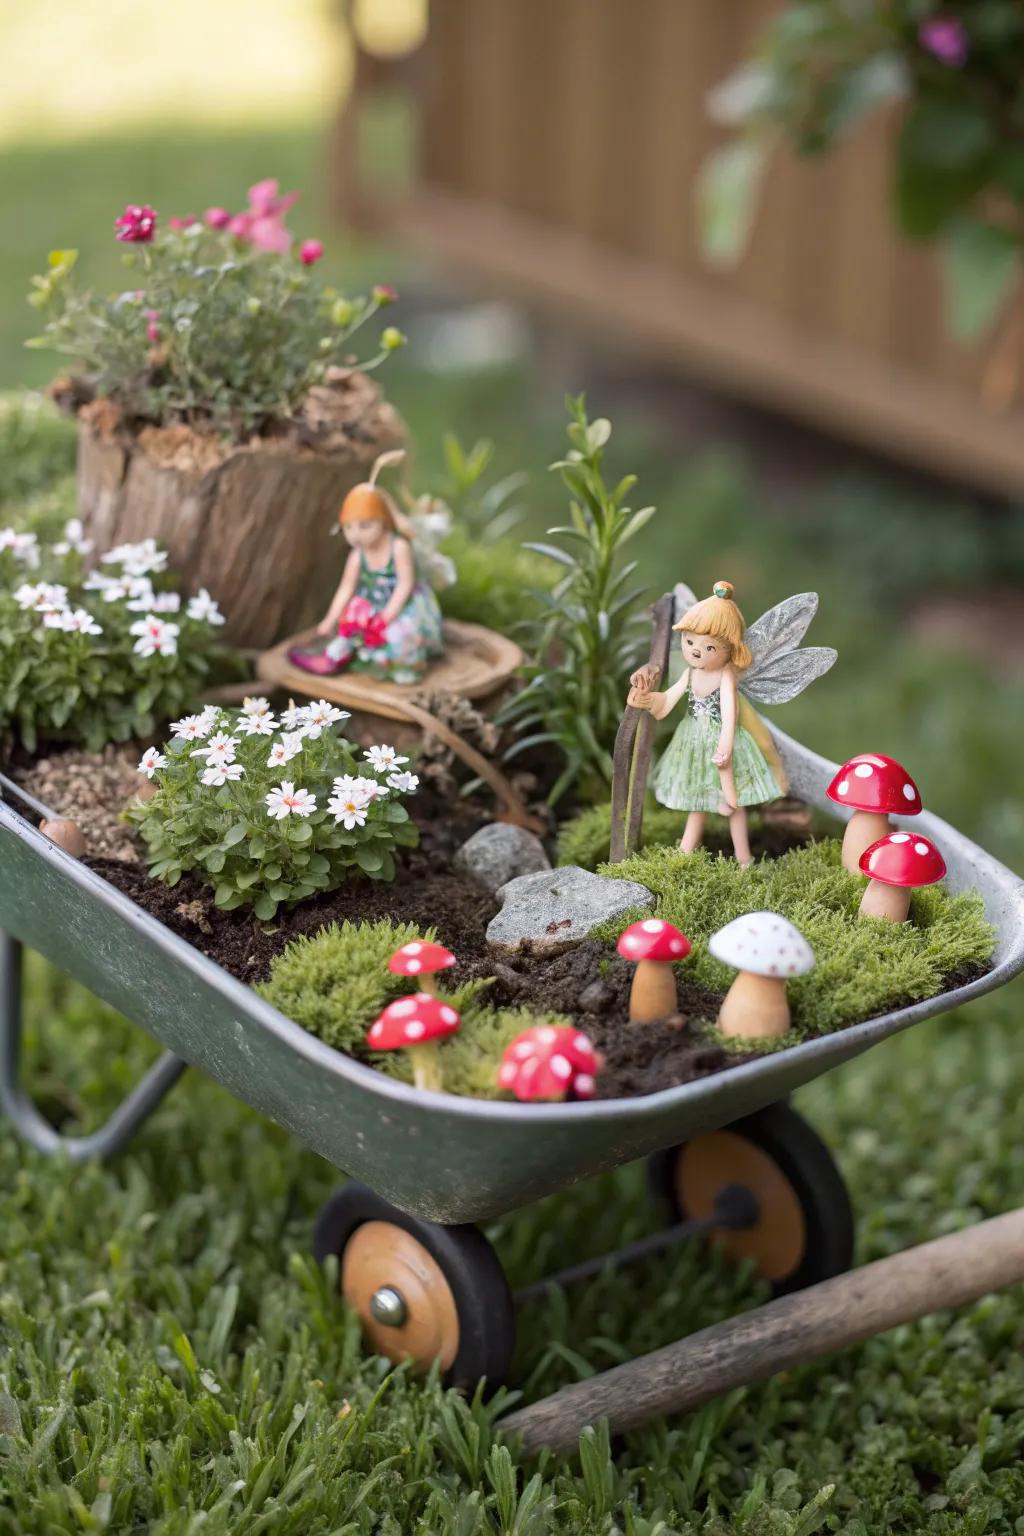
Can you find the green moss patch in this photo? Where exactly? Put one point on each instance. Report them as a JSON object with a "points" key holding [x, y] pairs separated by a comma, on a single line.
{"points": [[864, 966], [335, 984]]}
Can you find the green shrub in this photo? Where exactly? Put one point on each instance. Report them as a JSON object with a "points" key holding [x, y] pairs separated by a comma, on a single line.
{"points": [[863, 967], [37, 448], [218, 325], [90, 659], [495, 583], [335, 984], [275, 812], [588, 634]]}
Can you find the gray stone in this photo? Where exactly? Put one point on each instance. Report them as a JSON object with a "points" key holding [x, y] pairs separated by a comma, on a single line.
{"points": [[559, 907], [499, 853]]}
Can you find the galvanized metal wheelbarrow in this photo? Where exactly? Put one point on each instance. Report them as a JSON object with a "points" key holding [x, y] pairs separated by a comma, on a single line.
{"points": [[728, 1154]]}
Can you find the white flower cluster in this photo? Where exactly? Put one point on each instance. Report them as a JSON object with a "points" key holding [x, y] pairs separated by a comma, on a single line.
{"points": [[298, 724], [133, 586]]}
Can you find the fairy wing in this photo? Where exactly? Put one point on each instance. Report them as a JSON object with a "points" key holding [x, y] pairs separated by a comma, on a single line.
{"points": [[781, 668], [683, 599]]}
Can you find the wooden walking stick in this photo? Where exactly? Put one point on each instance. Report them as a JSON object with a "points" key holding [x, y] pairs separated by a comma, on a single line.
{"points": [[791, 1331], [634, 741]]}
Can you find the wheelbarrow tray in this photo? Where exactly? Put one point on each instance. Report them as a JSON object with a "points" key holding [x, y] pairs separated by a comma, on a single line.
{"points": [[441, 1157]]}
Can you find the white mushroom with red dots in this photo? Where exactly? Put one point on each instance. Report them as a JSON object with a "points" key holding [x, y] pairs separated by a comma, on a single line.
{"points": [[767, 951], [416, 1024], [874, 788]]}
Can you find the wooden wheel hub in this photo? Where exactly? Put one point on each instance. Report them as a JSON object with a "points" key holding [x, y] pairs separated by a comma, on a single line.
{"points": [[778, 1238], [382, 1262]]}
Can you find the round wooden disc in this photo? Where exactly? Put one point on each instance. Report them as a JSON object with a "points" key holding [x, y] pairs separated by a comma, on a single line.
{"points": [[777, 1240], [380, 1253]]}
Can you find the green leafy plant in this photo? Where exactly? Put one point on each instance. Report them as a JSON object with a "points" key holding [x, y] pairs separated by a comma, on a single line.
{"points": [[222, 324], [94, 658], [958, 171], [269, 810], [588, 635]]}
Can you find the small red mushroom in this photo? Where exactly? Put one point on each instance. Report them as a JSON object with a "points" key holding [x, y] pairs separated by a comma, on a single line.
{"points": [[550, 1061], [421, 959], [416, 1024], [876, 788], [653, 944], [895, 866]]}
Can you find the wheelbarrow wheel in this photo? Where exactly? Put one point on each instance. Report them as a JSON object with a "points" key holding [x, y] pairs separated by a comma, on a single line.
{"points": [[804, 1228], [424, 1292]]}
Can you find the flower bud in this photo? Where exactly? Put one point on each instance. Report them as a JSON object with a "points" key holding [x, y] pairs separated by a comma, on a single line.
{"points": [[391, 339], [343, 312], [384, 294]]}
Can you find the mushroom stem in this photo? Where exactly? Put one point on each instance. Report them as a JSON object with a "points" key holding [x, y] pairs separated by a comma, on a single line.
{"points": [[862, 829], [889, 901], [755, 1007], [426, 1065], [653, 993]]}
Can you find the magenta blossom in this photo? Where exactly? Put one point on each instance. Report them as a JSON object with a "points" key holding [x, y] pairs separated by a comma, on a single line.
{"points": [[262, 223], [945, 38], [384, 293], [152, 329], [310, 251], [174, 222], [217, 218], [137, 225]]}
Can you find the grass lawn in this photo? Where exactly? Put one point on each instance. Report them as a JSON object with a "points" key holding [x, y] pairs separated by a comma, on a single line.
{"points": [[170, 1361]]}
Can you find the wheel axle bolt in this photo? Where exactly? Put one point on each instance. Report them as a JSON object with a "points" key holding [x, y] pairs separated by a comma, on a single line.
{"points": [[387, 1306]]}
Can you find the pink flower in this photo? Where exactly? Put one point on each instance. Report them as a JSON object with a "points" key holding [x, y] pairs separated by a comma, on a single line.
{"points": [[384, 293], [217, 218], [174, 222], [310, 251], [137, 225], [265, 217], [152, 329], [945, 38]]}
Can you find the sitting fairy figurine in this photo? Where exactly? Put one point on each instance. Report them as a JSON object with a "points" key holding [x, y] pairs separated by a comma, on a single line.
{"points": [[722, 757], [384, 618]]}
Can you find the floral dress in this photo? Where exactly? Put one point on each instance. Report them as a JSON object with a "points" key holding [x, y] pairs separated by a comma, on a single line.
{"points": [[400, 650], [686, 778]]}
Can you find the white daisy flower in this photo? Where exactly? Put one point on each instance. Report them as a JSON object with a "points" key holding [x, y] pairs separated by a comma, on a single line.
{"points": [[349, 810], [73, 539], [319, 716], [363, 789], [203, 606], [142, 559], [96, 581], [43, 597], [155, 602], [279, 754], [292, 717], [383, 758], [23, 546], [256, 706], [150, 761], [77, 621], [405, 783], [219, 748], [257, 725], [156, 636], [191, 728], [285, 800], [219, 772]]}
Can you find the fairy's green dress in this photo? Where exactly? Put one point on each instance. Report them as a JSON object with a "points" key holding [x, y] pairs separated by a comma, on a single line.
{"points": [[686, 779]]}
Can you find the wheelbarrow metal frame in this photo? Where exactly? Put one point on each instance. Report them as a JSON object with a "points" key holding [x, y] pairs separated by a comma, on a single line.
{"points": [[438, 1156]]}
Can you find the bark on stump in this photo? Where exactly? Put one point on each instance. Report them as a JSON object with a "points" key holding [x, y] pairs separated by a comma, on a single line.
{"points": [[251, 522]]}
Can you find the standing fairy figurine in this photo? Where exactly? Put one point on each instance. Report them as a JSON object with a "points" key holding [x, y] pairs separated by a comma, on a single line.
{"points": [[384, 618], [722, 757]]}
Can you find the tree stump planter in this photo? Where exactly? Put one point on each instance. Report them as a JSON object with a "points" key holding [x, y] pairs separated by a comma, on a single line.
{"points": [[249, 521]]}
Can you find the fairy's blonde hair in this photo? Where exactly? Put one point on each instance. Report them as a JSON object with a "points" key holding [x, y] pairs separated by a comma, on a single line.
{"points": [[719, 616]]}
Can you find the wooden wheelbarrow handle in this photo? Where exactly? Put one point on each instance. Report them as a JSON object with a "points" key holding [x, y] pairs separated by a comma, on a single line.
{"points": [[785, 1333]]}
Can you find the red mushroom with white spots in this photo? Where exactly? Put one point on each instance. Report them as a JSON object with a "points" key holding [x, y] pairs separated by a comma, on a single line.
{"points": [[875, 788], [895, 866], [653, 945], [416, 1024], [550, 1061], [422, 960], [767, 951]]}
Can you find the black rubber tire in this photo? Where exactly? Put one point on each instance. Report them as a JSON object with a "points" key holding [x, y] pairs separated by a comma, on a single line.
{"points": [[810, 1170], [470, 1265]]}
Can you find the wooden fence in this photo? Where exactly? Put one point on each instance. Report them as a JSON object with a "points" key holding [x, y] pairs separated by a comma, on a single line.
{"points": [[558, 145]]}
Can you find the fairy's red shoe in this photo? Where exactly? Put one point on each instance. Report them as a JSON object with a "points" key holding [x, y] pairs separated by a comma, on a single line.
{"points": [[317, 662]]}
